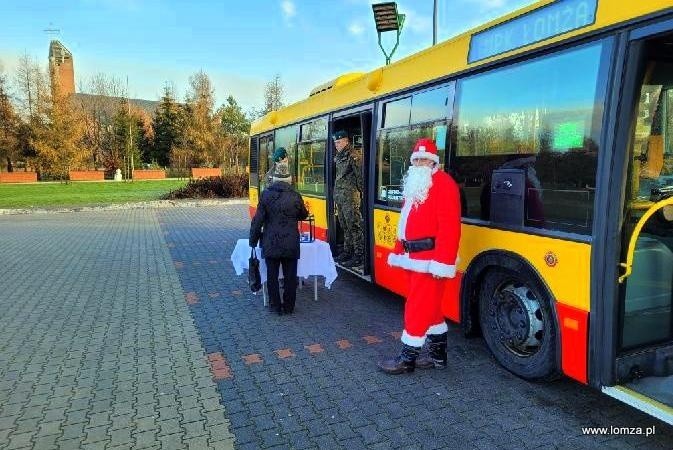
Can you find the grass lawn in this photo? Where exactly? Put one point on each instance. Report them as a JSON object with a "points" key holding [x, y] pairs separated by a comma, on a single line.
{"points": [[83, 193]]}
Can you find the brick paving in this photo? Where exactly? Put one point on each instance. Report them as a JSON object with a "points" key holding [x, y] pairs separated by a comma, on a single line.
{"points": [[97, 346], [129, 329], [309, 380]]}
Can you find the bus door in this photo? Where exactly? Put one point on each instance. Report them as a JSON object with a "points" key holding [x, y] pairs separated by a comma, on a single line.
{"points": [[643, 370], [349, 205], [265, 160]]}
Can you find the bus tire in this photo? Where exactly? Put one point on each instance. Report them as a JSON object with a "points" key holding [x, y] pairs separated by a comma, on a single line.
{"points": [[518, 324]]}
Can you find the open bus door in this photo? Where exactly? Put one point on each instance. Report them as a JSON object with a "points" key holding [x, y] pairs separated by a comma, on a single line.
{"points": [[357, 123], [642, 320]]}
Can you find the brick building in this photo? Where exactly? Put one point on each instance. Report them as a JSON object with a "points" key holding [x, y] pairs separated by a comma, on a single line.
{"points": [[61, 67]]}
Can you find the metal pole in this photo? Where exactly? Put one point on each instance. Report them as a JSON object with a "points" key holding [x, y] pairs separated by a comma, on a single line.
{"points": [[434, 23], [128, 106]]}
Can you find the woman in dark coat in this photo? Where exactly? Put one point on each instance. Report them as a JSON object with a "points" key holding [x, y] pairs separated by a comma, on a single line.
{"points": [[276, 223]]}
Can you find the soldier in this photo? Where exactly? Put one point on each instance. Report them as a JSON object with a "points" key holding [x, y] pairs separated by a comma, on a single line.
{"points": [[347, 195]]}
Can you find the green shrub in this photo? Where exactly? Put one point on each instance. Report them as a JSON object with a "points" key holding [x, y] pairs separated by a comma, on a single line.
{"points": [[177, 172], [227, 186]]}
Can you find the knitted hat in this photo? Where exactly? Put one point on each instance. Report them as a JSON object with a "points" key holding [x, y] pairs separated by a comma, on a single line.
{"points": [[281, 172], [425, 149], [279, 153]]}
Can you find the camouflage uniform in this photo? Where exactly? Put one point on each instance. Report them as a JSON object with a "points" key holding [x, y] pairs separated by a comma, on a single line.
{"points": [[268, 177], [347, 195]]}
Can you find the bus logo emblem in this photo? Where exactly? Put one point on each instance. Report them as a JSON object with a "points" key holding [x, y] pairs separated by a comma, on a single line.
{"points": [[551, 259]]}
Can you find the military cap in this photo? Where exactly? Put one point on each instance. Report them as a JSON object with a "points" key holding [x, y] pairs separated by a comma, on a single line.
{"points": [[339, 135]]}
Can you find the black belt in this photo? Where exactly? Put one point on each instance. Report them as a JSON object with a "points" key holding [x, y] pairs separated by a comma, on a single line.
{"points": [[418, 245]]}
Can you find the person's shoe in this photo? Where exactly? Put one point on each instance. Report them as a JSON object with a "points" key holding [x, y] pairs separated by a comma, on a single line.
{"points": [[403, 363], [435, 357], [355, 261], [341, 257]]}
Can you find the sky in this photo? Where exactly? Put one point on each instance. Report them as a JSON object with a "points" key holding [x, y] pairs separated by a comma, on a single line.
{"points": [[241, 45]]}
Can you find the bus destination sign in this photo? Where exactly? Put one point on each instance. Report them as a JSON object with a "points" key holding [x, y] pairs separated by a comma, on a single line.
{"points": [[551, 20]]}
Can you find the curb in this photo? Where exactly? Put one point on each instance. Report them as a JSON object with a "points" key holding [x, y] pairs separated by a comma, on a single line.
{"points": [[189, 203]]}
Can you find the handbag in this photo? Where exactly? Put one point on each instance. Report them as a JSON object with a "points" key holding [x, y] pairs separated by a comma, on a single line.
{"points": [[254, 277]]}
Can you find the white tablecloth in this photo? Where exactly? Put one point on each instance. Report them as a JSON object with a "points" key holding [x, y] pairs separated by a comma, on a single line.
{"points": [[315, 259]]}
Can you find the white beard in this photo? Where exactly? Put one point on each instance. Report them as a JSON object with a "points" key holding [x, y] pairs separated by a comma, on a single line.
{"points": [[417, 183]]}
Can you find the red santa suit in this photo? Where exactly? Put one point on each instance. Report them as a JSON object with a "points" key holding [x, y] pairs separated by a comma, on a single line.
{"points": [[437, 217]]}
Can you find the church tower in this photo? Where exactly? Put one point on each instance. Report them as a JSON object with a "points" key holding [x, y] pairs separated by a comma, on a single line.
{"points": [[61, 67]]}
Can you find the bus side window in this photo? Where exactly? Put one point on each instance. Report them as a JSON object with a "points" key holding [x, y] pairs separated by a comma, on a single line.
{"points": [[542, 116]]}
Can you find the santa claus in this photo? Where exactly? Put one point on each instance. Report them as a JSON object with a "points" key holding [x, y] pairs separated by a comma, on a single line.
{"points": [[428, 234]]}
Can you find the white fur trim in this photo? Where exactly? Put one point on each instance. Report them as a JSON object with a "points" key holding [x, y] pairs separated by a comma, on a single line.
{"points": [[439, 328], [421, 153], [442, 270], [421, 265], [403, 261], [402, 223], [414, 341]]}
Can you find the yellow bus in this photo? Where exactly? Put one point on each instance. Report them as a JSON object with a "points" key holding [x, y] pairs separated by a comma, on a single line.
{"points": [[557, 122]]}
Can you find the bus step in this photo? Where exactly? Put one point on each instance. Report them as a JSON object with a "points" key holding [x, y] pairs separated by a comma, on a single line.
{"points": [[357, 271]]}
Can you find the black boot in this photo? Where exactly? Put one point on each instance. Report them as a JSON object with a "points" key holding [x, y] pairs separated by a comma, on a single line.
{"points": [[404, 362], [343, 256], [354, 262], [435, 358]]}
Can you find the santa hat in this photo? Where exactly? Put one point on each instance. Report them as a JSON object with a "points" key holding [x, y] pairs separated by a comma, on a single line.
{"points": [[425, 148]]}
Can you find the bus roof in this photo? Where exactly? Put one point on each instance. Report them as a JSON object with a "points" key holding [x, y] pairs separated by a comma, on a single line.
{"points": [[441, 60]]}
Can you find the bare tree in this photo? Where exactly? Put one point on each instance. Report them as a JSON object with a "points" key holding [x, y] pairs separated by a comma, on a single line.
{"points": [[99, 104], [273, 95], [32, 87], [9, 126]]}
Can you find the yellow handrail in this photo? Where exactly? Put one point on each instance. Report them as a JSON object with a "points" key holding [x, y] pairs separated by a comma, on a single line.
{"points": [[628, 265]]}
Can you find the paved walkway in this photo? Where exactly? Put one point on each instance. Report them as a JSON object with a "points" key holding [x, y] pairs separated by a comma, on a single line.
{"points": [[130, 329], [97, 346]]}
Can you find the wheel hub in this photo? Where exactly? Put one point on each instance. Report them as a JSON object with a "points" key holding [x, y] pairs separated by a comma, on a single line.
{"points": [[518, 318]]}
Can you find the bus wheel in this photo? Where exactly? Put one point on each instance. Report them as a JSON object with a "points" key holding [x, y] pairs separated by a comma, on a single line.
{"points": [[518, 324]]}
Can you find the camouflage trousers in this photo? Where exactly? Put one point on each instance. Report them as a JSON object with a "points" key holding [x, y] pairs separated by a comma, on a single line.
{"points": [[350, 219]]}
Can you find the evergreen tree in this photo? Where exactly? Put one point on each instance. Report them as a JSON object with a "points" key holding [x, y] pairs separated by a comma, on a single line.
{"points": [[144, 138], [235, 129], [234, 121], [168, 126], [126, 139]]}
